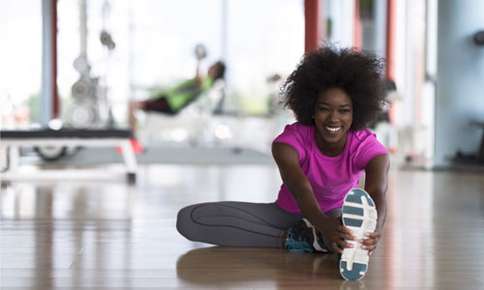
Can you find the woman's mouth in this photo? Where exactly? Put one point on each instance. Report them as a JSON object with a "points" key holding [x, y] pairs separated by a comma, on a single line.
{"points": [[333, 129]]}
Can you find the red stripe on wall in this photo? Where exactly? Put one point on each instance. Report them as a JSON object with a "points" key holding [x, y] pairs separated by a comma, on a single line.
{"points": [[357, 31], [311, 25], [390, 35]]}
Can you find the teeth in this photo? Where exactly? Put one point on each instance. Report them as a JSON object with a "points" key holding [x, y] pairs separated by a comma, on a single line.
{"points": [[333, 129]]}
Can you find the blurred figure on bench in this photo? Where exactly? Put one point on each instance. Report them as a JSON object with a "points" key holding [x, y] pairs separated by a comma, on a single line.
{"points": [[173, 100]]}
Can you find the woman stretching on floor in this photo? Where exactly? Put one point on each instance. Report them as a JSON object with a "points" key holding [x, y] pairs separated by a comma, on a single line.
{"points": [[334, 94]]}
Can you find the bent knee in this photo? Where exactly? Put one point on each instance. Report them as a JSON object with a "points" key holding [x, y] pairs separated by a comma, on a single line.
{"points": [[184, 223]]}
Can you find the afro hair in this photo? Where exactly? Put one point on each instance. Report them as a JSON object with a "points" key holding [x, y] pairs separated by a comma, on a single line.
{"points": [[358, 74]]}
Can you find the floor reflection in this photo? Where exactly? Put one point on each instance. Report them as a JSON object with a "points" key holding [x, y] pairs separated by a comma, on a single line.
{"points": [[44, 246], [64, 229], [97, 235], [226, 268]]}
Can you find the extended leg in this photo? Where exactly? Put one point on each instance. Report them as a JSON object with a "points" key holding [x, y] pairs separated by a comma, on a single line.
{"points": [[239, 224]]}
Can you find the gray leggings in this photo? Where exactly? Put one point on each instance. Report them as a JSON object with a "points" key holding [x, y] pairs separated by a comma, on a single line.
{"points": [[237, 224]]}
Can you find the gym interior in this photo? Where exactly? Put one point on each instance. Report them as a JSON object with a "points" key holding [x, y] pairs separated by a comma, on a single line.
{"points": [[89, 200]]}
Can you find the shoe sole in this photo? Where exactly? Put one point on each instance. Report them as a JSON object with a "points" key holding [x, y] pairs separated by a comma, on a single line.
{"points": [[359, 215]]}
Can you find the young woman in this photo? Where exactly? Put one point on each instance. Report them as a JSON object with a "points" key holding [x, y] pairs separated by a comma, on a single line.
{"points": [[334, 94]]}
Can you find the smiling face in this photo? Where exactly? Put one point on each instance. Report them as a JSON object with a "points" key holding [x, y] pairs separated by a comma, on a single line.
{"points": [[333, 116]]}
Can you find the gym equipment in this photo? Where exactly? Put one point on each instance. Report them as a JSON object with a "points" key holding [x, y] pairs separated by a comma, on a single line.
{"points": [[53, 153], [200, 51], [479, 37], [12, 140], [91, 107], [107, 40], [480, 154]]}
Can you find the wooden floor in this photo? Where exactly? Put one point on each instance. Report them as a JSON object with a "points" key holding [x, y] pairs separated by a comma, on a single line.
{"points": [[100, 235]]}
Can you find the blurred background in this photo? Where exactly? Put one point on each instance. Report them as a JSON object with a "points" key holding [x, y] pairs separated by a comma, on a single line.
{"points": [[84, 61], [77, 67]]}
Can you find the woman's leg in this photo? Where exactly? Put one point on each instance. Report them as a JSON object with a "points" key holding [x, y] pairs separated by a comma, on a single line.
{"points": [[239, 224], [159, 104]]}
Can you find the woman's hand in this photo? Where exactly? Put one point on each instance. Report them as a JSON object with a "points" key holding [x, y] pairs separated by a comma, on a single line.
{"points": [[336, 234], [370, 241]]}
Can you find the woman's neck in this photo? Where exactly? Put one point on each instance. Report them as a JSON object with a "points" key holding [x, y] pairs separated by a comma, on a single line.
{"points": [[330, 149]]}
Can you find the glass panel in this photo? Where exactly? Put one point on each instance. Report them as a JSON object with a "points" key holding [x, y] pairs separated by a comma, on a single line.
{"points": [[21, 59], [155, 41]]}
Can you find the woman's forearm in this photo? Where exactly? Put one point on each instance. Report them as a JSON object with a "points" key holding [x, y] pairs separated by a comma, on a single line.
{"points": [[306, 201], [382, 213], [376, 184]]}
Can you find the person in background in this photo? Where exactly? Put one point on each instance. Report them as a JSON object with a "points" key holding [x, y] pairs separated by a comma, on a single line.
{"points": [[174, 99]]}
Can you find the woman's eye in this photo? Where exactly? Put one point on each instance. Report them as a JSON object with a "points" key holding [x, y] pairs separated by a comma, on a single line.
{"points": [[323, 109], [345, 111]]}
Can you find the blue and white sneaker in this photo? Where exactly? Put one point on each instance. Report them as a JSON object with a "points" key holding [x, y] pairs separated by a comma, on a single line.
{"points": [[303, 237], [360, 216]]}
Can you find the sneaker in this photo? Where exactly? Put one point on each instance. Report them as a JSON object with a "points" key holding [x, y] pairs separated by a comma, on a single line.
{"points": [[303, 237], [360, 216]]}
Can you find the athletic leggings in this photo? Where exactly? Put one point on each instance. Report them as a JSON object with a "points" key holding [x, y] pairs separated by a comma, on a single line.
{"points": [[237, 224]]}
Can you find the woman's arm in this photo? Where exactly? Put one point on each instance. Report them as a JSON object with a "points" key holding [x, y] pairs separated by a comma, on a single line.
{"points": [[300, 187], [293, 177], [376, 184]]}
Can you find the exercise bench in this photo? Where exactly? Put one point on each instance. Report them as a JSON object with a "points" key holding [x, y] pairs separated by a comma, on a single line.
{"points": [[480, 153], [12, 140]]}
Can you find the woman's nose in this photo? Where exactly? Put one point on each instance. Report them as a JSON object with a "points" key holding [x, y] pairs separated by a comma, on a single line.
{"points": [[333, 116]]}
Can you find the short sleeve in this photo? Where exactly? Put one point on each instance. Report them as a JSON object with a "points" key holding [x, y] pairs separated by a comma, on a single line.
{"points": [[293, 135], [367, 148]]}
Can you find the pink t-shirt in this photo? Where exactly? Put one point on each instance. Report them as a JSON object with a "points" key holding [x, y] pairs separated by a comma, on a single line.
{"points": [[331, 177]]}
